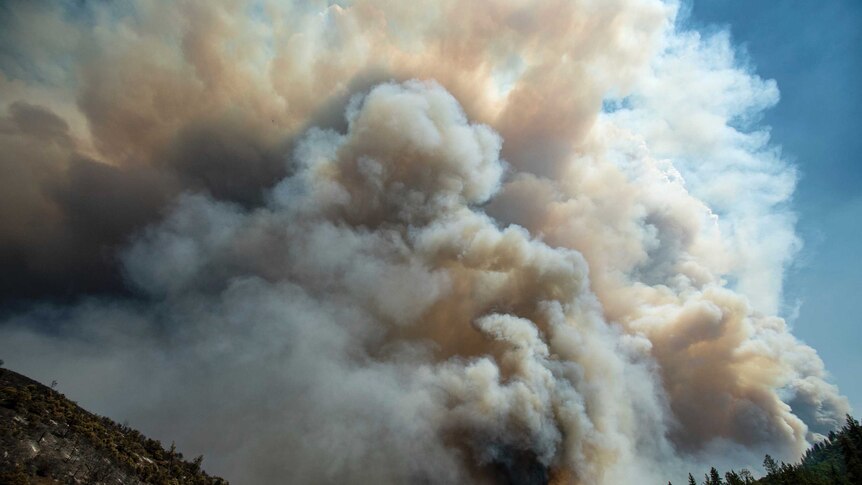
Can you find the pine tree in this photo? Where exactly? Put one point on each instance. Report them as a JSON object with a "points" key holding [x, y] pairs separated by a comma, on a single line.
{"points": [[691, 480], [835, 477], [854, 430], [714, 477], [770, 465], [733, 478], [852, 459]]}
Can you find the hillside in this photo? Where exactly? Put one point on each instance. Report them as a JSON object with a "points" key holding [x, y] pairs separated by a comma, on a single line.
{"points": [[47, 439], [837, 460]]}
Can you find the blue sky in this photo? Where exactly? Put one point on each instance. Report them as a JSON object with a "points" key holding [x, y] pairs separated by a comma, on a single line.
{"points": [[813, 49]]}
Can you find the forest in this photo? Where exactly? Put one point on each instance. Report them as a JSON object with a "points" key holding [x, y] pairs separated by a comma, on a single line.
{"points": [[837, 460]]}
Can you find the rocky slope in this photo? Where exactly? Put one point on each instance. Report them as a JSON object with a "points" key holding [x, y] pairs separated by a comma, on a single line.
{"points": [[46, 438]]}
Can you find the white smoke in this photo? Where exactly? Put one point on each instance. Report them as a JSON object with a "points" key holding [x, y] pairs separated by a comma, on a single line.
{"points": [[470, 271]]}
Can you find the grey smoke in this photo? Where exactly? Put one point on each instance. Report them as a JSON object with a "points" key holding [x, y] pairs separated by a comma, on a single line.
{"points": [[399, 243]]}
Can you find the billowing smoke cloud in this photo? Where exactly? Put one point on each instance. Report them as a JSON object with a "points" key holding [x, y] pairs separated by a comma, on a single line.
{"points": [[382, 243]]}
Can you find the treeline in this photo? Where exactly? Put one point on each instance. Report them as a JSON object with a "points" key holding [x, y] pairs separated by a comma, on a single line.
{"points": [[837, 460]]}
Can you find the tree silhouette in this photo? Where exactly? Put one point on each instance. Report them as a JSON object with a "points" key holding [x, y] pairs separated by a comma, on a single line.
{"points": [[770, 465], [836, 460], [733, 478], [713, 478], [852, 460]]}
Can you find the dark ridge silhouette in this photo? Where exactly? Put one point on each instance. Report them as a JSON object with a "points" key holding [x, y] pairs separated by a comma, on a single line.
{"points": [[46, 438]]}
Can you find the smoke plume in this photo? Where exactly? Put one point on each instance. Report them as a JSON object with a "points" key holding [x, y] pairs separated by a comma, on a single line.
{"points": [[398, 242]]}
